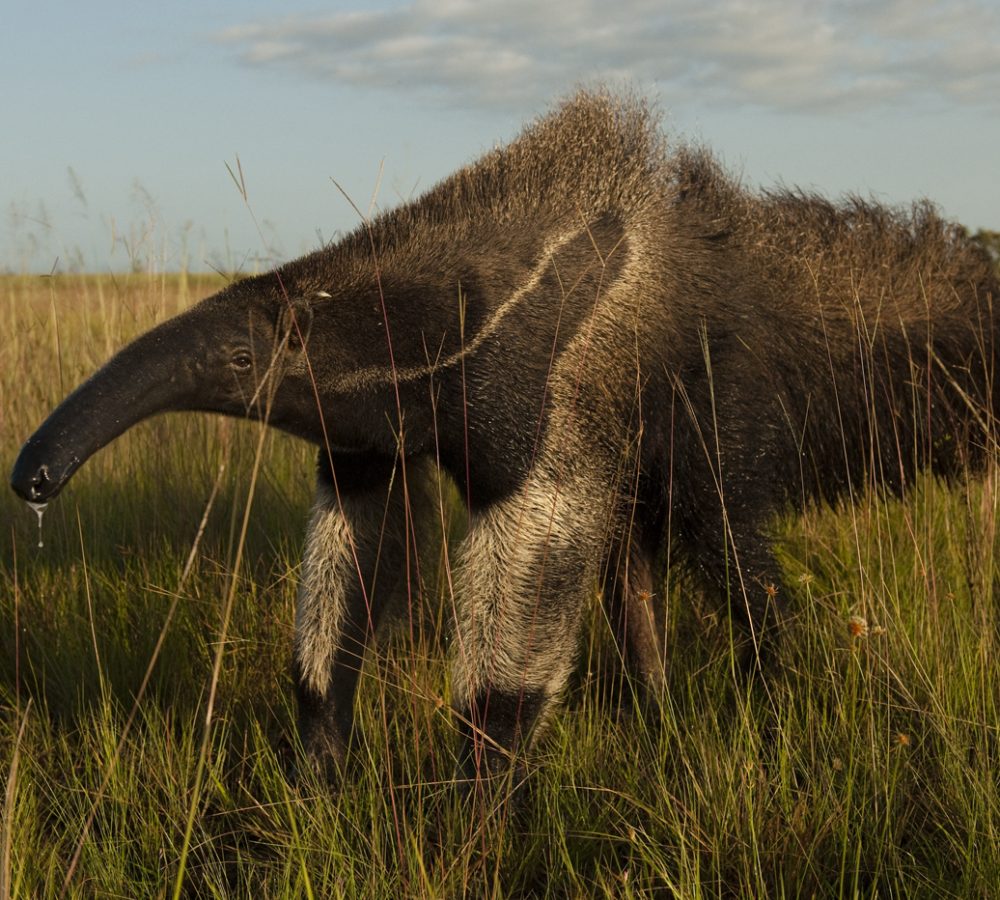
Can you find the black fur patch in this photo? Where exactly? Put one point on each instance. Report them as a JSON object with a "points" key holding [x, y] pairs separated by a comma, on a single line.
{"points": [[356, 473], [494, 729]]}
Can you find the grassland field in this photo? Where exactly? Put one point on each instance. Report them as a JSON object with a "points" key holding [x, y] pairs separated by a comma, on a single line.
{"points": [[164, 595]]}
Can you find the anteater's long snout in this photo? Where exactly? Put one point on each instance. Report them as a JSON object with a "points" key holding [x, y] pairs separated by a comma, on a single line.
{"points": [[144, 378]]}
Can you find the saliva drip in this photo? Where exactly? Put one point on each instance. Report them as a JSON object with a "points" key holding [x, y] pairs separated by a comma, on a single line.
{"points": [[39, 509]]}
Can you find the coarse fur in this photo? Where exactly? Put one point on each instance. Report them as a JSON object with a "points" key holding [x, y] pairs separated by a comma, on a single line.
{"points": [[607, 343]]}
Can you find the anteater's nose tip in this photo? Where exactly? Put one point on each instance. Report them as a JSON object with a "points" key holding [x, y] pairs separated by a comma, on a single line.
{"points": [[39, 483], [30, 481]]}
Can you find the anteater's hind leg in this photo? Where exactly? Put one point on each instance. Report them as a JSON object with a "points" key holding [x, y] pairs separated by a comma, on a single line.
{"points": [[636, 609], [724, 506], [750, 583], [737, 565]]}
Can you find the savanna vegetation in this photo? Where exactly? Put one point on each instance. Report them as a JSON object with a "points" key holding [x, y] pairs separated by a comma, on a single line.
{"points": [[146, 706]]}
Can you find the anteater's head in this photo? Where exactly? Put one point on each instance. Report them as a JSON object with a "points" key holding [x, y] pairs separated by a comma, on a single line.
{"points": [[241, 352]]}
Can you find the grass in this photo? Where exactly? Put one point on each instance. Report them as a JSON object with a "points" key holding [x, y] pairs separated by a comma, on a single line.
{"points": [[870, 769]]}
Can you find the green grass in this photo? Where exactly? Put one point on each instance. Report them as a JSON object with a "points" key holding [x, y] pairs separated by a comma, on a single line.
{"points": [[870, 768]]}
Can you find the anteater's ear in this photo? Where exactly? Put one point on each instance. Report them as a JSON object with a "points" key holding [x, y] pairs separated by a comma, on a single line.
{"points": [[295, 321]]}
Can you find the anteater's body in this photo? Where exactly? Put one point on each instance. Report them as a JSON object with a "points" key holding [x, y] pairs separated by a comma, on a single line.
{"points": [[607, 345]]}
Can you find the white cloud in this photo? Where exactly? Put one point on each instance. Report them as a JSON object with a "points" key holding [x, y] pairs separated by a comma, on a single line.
{"points": [[781, 54]]}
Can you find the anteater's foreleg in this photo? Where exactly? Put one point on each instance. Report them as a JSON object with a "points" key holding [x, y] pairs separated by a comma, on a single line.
{"points": [[354, 558], [528, 564]]}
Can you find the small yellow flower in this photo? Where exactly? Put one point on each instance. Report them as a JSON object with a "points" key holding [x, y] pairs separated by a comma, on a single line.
{"points": [[902, 739], [857, 626], [838, 764]]}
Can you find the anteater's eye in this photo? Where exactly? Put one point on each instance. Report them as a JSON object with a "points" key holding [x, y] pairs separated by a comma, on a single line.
{"points": [[241, 360]]}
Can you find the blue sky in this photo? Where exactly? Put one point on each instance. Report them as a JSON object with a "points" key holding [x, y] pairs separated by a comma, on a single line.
{"points": [[120, 118]]}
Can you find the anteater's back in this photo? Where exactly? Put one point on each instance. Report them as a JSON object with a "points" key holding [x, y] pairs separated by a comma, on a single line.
{"points": [[875, 326]]}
